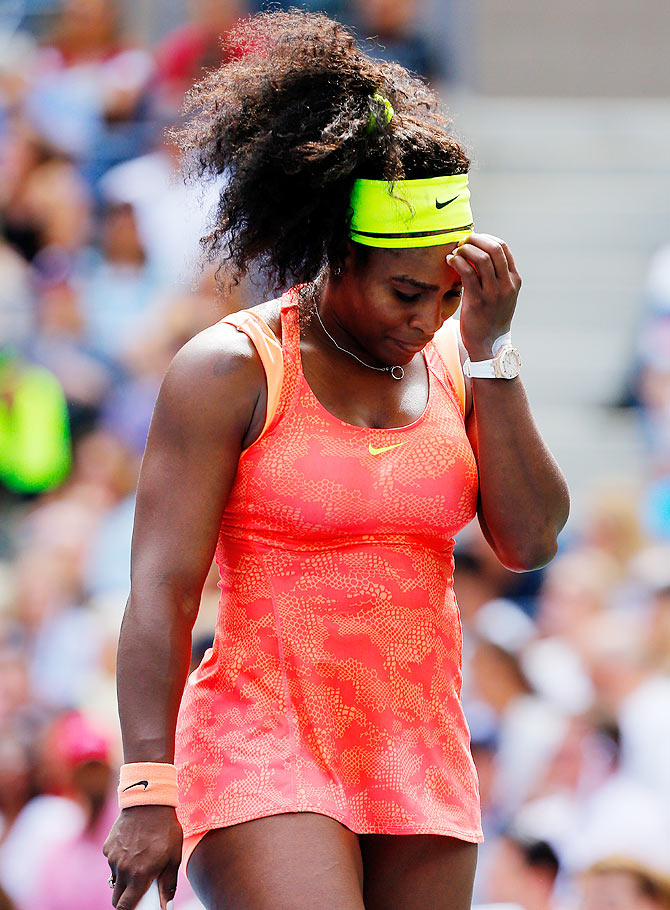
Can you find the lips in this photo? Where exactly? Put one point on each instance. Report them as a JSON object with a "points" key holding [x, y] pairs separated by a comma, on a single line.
{"points": [[410, 347]]}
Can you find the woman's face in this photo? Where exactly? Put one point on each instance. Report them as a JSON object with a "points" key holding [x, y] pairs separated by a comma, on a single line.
{"points": [[393, 301]]}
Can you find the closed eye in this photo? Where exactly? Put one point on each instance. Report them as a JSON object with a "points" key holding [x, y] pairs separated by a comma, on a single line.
{"points": [[408, 298]]}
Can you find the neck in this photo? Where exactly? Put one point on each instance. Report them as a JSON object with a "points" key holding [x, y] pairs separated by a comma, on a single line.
{"points": [[330, 331]]}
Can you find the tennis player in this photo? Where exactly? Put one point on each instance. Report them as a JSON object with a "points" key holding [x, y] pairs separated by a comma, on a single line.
{"points": [[326, 446]]}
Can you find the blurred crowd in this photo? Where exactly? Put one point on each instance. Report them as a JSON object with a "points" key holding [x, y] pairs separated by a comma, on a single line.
{"points": [[567, 670]]}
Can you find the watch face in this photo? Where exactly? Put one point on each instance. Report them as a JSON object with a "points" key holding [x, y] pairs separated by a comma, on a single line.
{"points": [[510, 363]]}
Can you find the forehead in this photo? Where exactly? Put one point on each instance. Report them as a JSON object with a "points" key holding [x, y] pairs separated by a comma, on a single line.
{"points": [[425, 264]]}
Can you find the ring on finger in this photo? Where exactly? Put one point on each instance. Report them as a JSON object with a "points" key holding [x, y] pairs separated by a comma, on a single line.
{"points": [[111, 881]]}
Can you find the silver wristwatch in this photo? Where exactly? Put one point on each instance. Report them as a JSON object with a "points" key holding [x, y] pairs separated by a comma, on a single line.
{"points": [[505, 364]]}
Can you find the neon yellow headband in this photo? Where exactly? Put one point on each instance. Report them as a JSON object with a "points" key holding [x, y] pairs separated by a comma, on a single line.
{"points": [[411, 213]]}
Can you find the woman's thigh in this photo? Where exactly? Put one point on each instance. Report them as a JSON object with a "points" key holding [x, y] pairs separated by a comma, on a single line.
{"points": [[281, 862], [417, 872]]}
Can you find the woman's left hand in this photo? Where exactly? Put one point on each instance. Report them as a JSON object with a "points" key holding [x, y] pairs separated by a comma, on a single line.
{"points": [[491, 285]]}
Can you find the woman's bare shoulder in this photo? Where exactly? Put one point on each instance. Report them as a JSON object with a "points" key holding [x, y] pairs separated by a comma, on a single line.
{"points": [[216, 377], [270, 313]]}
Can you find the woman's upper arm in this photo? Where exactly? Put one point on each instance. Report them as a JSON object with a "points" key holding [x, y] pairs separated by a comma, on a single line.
{"points": [[202, 413]]}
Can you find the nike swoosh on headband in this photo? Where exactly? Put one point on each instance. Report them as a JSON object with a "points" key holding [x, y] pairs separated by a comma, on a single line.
{"points": [[373, 451], [142, 783], [441, 205]]}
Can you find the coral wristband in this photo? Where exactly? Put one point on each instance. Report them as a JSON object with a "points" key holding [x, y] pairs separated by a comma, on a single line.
{"points": [[147, 783]]}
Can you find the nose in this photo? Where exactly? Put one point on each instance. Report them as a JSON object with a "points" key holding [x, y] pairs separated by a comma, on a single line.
{"points": [[430, 316]]}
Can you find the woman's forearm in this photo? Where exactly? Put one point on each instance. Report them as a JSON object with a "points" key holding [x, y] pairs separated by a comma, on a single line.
{"points": [[153, 660], [523, 497]]}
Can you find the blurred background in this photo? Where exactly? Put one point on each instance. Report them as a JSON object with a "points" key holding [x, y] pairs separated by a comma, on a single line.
{"points": [[566, 110]]}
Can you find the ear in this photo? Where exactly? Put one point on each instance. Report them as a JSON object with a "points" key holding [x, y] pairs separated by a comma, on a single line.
{"points": [[356, 256], [336, 269]]}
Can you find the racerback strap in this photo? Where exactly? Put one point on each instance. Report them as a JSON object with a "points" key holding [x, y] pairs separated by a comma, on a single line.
{"points": [[270, 352]]}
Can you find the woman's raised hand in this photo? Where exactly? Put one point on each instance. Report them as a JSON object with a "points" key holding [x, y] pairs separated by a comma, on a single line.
{"points": [[144, 844], [491, 285]]}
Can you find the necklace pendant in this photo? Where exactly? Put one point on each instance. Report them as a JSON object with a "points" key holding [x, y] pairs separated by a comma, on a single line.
{"points": [[397, 371]]}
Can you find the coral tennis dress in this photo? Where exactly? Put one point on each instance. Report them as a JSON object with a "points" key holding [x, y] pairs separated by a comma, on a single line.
{"points": [[334, 680]]}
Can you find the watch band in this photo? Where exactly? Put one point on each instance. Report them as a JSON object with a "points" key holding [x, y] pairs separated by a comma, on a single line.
{"points": [[500, 342], [480, 369], [486, 369]]}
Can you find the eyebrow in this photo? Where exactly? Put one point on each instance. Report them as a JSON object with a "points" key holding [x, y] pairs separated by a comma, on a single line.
{"points": [[422, 284], [413, 281]]}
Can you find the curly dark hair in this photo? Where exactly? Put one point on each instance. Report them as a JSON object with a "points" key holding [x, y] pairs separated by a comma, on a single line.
{"points": [[293, 122]]}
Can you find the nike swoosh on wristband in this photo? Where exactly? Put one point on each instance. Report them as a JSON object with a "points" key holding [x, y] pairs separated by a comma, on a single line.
{"points": [[142, 783], [441, 205], [374, 451]]}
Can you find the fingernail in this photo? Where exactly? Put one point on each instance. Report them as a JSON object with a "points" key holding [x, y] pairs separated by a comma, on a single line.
{"points": [[450, 257], [170, 905]]}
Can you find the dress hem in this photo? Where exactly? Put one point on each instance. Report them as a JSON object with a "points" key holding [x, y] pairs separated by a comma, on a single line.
{"points": [[472, 837]]}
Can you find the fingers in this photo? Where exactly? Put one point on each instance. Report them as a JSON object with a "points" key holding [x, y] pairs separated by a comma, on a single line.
{"points": [[130, 892], [467, 272], [485, 252], [143, 848], [129, 888], [491, 259], [167, 884], [479, 260]]}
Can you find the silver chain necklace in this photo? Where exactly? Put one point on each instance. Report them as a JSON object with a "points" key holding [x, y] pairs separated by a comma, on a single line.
{"points": [[397, 372]]}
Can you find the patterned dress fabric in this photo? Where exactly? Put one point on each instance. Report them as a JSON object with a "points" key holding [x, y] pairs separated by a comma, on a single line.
{"points": [[334, 681]]}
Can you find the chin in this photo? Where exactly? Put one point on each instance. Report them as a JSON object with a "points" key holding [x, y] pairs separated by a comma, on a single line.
{"points": [[405, 353]]}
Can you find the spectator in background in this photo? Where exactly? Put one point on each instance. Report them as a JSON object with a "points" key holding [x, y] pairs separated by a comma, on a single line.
{"points": [[17, 780], [396, 27], [522, 870], [160, 331], [648, 388], [119, 288], [80, 762], [42, 822], [65, 643], [654, 397], [21, 153], [529, 728], [88, 97], [48, 205], [196, 46], [74, 872], [15, 298], [621, 884], [171, 215], [636, 698], [588, 807], [612, 523], [58, 204], [49, 219], [657, 656], [58, 342], [18, 51], [335, 9]]}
